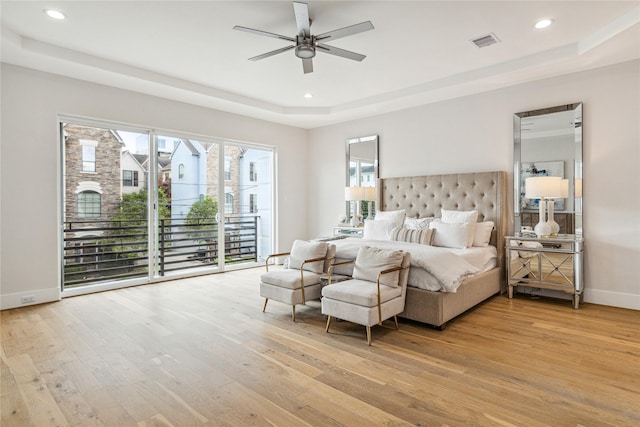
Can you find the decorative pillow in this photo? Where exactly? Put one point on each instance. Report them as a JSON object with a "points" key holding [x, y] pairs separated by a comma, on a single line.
{"points": [[418, 223], [371, 261], [451, 216], [450, 235], [396, 216], [377, 230], [412, 236], [303, 250], [465, 217], [483, 233]]}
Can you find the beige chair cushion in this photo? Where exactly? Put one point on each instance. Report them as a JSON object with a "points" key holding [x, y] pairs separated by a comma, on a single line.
{"points": [[303, 250], [370, 261], [360, 292], [290, 279]]}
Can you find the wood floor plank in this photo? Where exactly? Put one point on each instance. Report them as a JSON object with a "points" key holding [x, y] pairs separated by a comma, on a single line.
{"points": [[200, 351]]}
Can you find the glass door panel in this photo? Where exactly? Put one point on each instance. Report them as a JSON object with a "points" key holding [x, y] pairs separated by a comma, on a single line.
{"points": [[187, 217], [104, 206], [248, 207]]}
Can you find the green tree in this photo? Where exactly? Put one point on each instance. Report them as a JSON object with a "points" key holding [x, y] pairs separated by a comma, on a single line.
{"points": [[201, 217], [133, 207]]}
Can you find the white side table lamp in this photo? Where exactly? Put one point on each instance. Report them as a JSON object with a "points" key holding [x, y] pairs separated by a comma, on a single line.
{"points": [[355, 194], [543, 188]]}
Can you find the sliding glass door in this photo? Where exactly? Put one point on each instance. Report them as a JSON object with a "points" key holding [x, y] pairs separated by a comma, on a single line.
{"points": [[140, 206]]}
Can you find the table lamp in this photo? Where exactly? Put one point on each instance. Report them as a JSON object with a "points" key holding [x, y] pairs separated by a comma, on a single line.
{"points": [[354, 194], [543, 188], [369, 196]]}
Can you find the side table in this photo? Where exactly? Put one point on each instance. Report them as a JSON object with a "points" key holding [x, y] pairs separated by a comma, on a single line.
{"points": [[546, 262]]}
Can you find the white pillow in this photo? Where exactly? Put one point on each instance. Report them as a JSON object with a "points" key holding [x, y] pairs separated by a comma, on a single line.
{"points": [[377, 230], [396, 216], [303, 250], [412, 236], [418, 223], [459, 216], [465, 217], [482, 235], [371, 261], [450, 235]]}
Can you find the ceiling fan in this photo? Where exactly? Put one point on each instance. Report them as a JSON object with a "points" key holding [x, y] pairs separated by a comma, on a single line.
{"points": [[306, 45]]}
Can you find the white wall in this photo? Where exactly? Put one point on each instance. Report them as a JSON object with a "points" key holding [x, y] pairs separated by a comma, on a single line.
{"points": [[29, 159], [475, 133]]}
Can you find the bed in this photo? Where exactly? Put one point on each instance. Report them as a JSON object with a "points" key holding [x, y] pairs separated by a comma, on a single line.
{"points": [[426, 196]]}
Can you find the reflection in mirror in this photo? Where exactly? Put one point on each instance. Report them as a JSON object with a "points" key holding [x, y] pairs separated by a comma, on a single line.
{"points": [[548, 142], [361, 171]]}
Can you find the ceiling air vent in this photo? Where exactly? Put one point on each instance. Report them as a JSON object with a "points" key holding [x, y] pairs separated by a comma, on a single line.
{"points": [[484, 41]]}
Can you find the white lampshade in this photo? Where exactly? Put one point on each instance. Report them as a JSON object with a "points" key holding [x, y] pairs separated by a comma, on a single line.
{"points": [[369, 193], [543, 187], [354, 193], [564, 190]]}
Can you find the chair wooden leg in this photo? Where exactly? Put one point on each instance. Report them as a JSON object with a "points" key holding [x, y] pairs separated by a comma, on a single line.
{"points": [[266, 300], [395, 319], [328, 323], [369, 335], [293, 312]]}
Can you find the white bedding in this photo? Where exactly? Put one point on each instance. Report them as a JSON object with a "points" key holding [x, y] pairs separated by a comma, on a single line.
{"points": [[433, 268]]}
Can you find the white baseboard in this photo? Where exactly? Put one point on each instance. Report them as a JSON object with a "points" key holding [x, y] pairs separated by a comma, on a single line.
{"points": [[614, 299], [594, 296], [38, 296]]}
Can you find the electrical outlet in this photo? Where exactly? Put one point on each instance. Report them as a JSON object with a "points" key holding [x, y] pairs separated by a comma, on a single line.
{"points": [[28, 299]]}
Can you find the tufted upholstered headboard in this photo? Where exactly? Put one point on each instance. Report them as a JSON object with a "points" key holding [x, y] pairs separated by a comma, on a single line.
{"points": [[425, 196]]}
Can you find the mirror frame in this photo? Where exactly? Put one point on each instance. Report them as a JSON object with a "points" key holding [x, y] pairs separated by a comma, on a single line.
{"points": [[365, 139], [577, 108]]}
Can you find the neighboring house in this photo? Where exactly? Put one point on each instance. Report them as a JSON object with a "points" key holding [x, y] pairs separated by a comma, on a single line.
{"points": [[189, 180], [232, 155], [134, 175], [92, 173], [256, 195]]}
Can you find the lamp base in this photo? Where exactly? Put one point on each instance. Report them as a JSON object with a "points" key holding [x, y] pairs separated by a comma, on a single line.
{"points": [[542, 229]]}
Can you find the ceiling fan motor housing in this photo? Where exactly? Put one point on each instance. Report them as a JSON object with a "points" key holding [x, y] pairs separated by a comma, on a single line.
{"points": [[305, 47]]}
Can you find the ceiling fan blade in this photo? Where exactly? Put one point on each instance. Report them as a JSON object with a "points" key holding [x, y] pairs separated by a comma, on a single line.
{"points": [[268, 54], [339, 52], [346, 31], [264, 33], [307, 65], [301, 10]]}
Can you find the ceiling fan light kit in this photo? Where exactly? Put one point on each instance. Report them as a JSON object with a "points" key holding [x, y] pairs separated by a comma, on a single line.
{"points": [[306, 45]]}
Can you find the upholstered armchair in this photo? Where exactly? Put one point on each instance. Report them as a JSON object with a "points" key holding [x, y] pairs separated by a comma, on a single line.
{"points": [[299, 281], [376, 292]]}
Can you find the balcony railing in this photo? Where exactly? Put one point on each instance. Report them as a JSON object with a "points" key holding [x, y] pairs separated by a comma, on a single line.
{"points": [[99, 251]]}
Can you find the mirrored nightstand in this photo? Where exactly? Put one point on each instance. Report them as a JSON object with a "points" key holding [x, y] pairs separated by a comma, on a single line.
{"points": [[546, 262]]}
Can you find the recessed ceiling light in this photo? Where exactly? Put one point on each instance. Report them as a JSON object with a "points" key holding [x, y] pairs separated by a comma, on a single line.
{"points": [[543, 23], [55, 14], [308, 95]]}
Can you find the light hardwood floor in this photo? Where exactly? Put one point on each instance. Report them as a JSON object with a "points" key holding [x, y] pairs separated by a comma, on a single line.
{"points": [[201, 352]]}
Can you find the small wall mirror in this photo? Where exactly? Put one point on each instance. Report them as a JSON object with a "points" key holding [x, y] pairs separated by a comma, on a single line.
{"points": [[361, 170], [548, 142]]}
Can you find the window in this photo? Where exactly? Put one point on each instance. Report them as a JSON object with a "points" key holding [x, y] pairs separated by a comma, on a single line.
{"points": [[181, 171], [88, 158], [88, 204], [129, 178], [227, 168], [253, 203], [253, 174], [228, 203]]}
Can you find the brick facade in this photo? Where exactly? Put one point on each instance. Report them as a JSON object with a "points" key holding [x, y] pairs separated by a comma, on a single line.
{"points": [[107, 176]]}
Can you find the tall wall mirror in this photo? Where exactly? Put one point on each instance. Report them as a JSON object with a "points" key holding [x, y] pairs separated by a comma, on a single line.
{"points": [[361, 172], [548, 142]]}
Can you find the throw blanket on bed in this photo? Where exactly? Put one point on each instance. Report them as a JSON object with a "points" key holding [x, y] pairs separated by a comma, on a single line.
{"points": [[447, 268]]}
